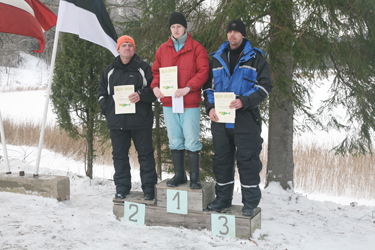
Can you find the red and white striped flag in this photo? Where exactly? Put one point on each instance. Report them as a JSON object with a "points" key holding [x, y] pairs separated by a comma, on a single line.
{"points": [[27, 18]]}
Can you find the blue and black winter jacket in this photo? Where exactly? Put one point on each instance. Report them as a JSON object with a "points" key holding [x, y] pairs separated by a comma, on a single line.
{"points": [[250, 81]]}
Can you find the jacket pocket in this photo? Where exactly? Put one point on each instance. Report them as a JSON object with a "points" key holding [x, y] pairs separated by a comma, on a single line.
{"points": [[256, 116], [109, 109], [103, 105], [249, 76], [218, 75]]}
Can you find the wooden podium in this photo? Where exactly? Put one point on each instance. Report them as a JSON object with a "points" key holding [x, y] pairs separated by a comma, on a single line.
{"points": [[157, 214]]}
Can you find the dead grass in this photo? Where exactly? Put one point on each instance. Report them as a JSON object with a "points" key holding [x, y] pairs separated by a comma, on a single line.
{"points": [[316, 168], [23, 88], [319, 170], [56, 140]]}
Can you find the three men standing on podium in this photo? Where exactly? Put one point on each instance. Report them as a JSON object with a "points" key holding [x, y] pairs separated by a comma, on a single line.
{"points": [[235, 67]]}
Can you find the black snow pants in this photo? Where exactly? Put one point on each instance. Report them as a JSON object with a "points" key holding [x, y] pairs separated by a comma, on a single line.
{"points": [[121, 142], [244, 144]]}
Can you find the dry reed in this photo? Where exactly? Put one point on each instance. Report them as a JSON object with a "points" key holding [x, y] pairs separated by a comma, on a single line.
{"points": [[23, 88], [316, 169], [55, 139]]}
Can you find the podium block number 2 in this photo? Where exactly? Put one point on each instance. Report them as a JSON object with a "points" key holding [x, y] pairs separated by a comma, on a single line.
{"points": [[177, 201], [134, 212], [223, 225]]}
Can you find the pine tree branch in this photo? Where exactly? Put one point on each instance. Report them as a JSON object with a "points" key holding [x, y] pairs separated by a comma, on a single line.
{"points": [[339, 72]]}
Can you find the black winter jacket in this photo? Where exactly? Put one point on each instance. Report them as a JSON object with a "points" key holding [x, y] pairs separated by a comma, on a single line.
{"points": [[137, 73]]}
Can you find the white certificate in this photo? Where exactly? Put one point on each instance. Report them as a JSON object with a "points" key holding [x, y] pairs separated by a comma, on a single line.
{"points": [[178, 104], [222, 110], [168, 80], [122, 102]]}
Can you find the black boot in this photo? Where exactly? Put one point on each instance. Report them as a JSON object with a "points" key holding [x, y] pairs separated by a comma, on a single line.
{"points": [[248, 210], [120, 195], [149, 193], [122, 191], [194, 159], [250, 198], [224, 196], [178, 159]]}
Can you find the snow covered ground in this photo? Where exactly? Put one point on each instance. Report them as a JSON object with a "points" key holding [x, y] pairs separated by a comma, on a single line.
{"points": [[86, 221], [290, 220]]}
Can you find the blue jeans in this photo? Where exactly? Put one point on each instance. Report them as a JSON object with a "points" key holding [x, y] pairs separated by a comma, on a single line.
{"points": [[183, 129]]}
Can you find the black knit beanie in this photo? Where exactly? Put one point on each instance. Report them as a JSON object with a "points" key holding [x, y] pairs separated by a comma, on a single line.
{"points": [[177, 18], [237, 25]]}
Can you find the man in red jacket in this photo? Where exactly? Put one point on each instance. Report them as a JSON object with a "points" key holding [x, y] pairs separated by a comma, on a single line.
{"points": [[191, 60]]}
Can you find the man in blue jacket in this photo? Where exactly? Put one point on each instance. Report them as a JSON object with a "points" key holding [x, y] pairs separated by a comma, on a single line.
{"points": [[128, 69], [237, 67]]}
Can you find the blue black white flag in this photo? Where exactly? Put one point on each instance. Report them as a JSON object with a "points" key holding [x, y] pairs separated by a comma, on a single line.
{"points": [[89, 20]]}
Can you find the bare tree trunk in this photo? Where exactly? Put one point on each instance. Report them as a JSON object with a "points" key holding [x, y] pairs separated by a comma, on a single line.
{"points": [[280, 164], [90, 145], [158, 138], [90, 157]]}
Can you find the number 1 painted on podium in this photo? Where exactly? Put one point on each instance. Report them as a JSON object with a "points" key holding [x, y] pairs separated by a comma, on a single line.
{"points": [[177, 201]]}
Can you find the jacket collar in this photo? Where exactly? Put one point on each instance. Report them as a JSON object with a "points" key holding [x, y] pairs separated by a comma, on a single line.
{"points": [[180, 40], [248, 50], [134, 63], [188, 44]]}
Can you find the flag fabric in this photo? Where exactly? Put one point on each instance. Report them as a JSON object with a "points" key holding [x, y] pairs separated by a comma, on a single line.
{"points": [[90, 20], [27, 18], [45, 16]]}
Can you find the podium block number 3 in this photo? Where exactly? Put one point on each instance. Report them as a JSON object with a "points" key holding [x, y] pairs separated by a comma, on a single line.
{"points": [[134, 212], [223, 225], [177, 201]]}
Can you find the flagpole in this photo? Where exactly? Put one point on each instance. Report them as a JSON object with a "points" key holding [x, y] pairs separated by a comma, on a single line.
{"points": [[51, 70], [4, 145]]}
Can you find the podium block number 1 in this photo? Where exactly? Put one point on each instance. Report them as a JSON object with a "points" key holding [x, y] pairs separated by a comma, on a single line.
{"points": [[177, 201], [223, 225], [134, 212]]}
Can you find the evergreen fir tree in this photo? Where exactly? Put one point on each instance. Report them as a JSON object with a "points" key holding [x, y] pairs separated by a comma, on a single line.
{"points": [[79, 64], [306, 40]]}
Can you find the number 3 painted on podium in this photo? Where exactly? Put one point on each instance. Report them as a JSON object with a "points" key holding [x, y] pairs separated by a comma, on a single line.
{"points": [[227, 229]]}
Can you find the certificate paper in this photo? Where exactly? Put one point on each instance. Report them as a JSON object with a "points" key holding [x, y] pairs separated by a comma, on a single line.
{"points": [[222, 110], [168, 80], [122, 102], [178, 104]]}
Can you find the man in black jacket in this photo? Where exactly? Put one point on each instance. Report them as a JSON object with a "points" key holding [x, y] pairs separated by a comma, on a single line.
{"points": [[127, 69], [239, 68]]}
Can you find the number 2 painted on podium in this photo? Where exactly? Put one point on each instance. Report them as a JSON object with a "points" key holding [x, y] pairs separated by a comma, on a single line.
{"points": [[134, 212], [132, 215]]}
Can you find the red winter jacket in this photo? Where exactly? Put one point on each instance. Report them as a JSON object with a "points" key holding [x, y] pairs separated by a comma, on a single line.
{"points": [[192, 69]]}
